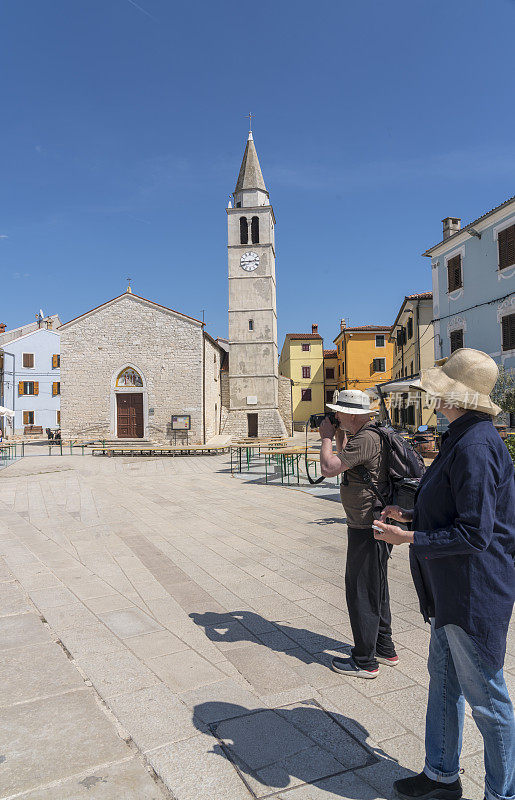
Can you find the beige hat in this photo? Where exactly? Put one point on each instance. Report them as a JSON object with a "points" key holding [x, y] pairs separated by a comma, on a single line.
{"points": [[352, 401], [465, 380]]}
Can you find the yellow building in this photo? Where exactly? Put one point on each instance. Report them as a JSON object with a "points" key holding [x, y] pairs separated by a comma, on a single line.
{"points": [[412, 338], [330, 374], [302, 360], [365, 356]]}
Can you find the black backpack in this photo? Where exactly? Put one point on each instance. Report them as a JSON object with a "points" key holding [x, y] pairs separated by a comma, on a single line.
{"points": [[405, 468]]}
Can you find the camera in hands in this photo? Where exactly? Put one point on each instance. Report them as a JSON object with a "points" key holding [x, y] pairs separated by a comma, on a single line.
{"points": [[316, 419]]}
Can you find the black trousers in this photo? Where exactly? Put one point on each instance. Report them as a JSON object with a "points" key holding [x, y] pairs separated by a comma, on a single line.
{"points": [[368, 598]]}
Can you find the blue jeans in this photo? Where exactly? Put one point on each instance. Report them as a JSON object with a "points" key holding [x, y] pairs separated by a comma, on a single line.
{"points": [[457, 673]]}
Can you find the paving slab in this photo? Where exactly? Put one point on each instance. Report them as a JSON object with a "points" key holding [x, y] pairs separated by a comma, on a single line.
{"points": [[129, 622], [52, 738], [13, 600], [184, 670], [157, 643], [38, 671], [197, 769], [129, 780], [116, 673], [154, 716], [22, 630]]}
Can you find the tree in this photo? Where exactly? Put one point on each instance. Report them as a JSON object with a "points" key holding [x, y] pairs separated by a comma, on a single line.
{"points": [[503, 393]]}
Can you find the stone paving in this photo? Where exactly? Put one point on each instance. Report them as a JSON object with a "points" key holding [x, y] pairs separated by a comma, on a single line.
{"points": [[166, 632]]}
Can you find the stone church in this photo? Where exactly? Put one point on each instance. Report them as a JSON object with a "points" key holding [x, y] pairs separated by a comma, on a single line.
{"points": [[131, 365]]}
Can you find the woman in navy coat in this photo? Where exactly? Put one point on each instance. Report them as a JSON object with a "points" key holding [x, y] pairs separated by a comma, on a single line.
{"points": [[462, 558]]}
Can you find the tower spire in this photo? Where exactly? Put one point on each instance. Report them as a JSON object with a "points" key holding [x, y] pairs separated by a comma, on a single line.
{"points": [[250, 176]]}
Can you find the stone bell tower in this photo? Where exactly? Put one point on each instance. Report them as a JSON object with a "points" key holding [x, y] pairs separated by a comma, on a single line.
{"points": [[253, 364]]}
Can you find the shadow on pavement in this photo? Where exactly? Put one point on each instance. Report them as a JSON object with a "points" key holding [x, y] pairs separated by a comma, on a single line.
{"points": [[242, 626], [279, 748]]}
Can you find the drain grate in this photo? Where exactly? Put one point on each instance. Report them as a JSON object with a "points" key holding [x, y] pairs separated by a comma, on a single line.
{"points": [[275, 750]]}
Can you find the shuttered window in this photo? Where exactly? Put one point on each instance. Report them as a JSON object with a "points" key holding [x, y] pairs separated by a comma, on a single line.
{"points": [[454, 277], [56, 361], [305, 394], [306, 372], [56, 388], [380, 340], [329, 373], [28, 418], [329, 396], [379, 365], [28, 360], [306, 348], [410, 327], [58, 417], [28, 387], [506, 240], [456, 340], [508, 332]]}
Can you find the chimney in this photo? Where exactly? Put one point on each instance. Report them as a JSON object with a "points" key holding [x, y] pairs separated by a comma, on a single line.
{"points": [[451, 225], [2, 327], [314, 328], [343, 324]]}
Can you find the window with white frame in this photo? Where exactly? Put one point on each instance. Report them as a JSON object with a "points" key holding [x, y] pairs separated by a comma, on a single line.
{"points": [[508, 332], [456, 338], [506, 247], [380, 340]]}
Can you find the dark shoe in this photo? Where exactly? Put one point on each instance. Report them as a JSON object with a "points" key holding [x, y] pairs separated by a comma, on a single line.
{"points": [[347, 666], [391, 661], [420, 787]]}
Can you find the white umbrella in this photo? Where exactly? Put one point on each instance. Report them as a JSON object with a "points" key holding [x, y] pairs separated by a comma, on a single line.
{"points": [[6, 412]]}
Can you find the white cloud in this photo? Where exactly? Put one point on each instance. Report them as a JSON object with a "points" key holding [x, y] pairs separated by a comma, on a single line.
{"points": [[3, 236]]}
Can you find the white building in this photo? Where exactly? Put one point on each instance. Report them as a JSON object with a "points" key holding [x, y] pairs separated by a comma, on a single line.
{"points": [[30, 378]]}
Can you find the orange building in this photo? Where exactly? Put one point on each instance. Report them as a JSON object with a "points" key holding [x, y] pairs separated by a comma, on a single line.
{"points": [[365, 356]]}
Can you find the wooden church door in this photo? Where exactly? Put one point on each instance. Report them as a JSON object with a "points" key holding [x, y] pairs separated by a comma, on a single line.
{"points": [[129, 415]]}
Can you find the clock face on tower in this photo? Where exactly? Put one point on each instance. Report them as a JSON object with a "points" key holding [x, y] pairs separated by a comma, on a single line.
{"points": [[249, 261]]}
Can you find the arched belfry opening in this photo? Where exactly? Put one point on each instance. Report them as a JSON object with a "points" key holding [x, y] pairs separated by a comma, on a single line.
{"points": [[244, 230], [254, 230]]}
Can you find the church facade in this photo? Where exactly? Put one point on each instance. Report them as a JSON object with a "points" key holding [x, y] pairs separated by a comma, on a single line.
{"points": [[130, 365]]}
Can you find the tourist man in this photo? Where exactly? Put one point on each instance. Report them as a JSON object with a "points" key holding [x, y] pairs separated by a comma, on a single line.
{"points": [[366, 584]]}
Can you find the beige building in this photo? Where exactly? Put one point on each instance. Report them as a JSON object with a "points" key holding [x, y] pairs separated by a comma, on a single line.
{"points": [[302, 360], [254, 408], [130, 365], [330, 374], [413, 350]]}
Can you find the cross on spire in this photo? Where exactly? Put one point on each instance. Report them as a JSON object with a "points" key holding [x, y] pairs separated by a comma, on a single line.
{"points": [[129, 286], [250, 121]]}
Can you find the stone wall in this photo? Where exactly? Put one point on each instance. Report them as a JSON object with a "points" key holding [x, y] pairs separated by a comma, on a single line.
{"points": [[270, 423], [285, 409], [224, 386], [163, 346], [213, 392]]}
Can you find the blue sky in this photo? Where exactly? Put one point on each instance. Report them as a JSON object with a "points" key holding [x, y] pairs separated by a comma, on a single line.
{"points": [[123, 129]]}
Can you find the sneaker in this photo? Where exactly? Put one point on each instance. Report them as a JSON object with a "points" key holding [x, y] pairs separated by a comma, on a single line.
{"points": [[420, 787], [392, 661], [347, 666]]}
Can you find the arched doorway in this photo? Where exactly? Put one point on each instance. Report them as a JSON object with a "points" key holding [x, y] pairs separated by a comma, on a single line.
{"points": [[129, 404]]}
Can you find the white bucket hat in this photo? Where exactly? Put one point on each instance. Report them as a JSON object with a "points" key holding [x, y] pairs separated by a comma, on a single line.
{"points": [[465, 380], [352, 401]]}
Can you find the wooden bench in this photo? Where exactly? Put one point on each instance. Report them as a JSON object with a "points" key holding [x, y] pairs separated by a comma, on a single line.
{"points": [[31, 430], [152, 450]]}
